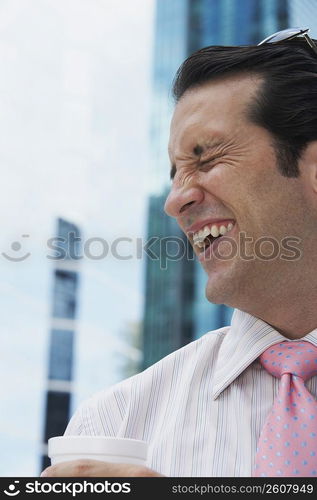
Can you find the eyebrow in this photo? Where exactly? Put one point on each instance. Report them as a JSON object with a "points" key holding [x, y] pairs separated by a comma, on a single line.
{"points": [[198, 150]]}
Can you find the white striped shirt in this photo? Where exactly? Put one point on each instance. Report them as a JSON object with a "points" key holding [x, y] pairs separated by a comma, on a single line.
{"points": [[201, 408]]}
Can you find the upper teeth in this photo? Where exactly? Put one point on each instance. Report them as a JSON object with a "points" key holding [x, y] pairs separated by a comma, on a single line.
{"points": [[214, 230]]}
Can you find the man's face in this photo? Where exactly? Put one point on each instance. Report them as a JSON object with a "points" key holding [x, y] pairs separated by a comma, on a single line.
{"points": [[225, 175]]}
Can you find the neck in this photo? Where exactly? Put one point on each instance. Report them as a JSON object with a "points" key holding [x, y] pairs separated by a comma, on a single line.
{"points": [[293, 320]]}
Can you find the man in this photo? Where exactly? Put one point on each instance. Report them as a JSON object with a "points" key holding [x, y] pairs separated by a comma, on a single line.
{"points": [[243, 149]]}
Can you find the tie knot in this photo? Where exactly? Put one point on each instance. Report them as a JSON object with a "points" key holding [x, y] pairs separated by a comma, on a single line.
{"points": [[298, 358]]}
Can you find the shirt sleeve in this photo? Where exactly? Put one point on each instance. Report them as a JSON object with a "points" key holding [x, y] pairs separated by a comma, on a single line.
{"points": [[101, 415]]}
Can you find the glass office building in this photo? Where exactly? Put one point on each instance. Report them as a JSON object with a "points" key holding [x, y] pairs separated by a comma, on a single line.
{"points": [[169, 288], [176, 310], [62, 333]]}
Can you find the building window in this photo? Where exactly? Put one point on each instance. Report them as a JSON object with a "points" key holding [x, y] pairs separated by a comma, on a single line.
{"points": [[61, 355]]}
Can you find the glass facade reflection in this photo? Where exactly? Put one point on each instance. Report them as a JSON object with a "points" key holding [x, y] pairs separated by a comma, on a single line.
{"points": [[176, 309]]}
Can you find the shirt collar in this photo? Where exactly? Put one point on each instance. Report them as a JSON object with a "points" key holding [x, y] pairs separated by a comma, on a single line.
{"points": [[245, 341]]}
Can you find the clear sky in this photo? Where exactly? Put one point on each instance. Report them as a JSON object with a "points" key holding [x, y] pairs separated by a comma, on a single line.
{"points": [[75, 94]]}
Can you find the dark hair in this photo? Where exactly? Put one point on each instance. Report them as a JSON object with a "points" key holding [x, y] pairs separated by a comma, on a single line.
{"points": [[286, 104]]}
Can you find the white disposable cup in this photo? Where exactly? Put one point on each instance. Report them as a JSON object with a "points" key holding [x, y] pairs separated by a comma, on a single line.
{"points": [[108, 449]]}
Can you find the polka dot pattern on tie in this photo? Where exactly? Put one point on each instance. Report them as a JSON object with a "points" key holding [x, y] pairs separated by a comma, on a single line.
{"points": [[288, 441]]}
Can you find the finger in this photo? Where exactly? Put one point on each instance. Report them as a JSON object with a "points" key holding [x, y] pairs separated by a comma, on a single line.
{"points": [[95, 468], [79, 468]]}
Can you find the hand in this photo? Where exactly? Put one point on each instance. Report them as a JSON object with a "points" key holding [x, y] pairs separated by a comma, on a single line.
{"points": [[96, 468]]}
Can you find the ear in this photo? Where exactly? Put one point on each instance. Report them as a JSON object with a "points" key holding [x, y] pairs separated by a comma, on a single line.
{"points": [[308, 167]]}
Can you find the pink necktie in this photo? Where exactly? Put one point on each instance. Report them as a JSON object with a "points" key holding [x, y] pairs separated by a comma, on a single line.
{"points": [[288, 441]]}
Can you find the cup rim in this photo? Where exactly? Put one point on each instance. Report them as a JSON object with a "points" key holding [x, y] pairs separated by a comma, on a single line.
{"points": [[99, 445]]}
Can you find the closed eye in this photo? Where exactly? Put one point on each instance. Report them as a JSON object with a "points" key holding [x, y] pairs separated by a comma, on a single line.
{"points": [[207, 164], [172, 172], [203, 165]]}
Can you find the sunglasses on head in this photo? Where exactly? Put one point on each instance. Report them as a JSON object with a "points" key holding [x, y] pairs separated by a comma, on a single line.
{"points": [[291, 34]]}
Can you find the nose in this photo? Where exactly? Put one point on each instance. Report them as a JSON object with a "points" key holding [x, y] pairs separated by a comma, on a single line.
{"points": [[180, 199]]}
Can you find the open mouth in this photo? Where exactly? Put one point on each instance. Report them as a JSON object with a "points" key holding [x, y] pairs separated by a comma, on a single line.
{"points": [[204, 238], [208, 242]]}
